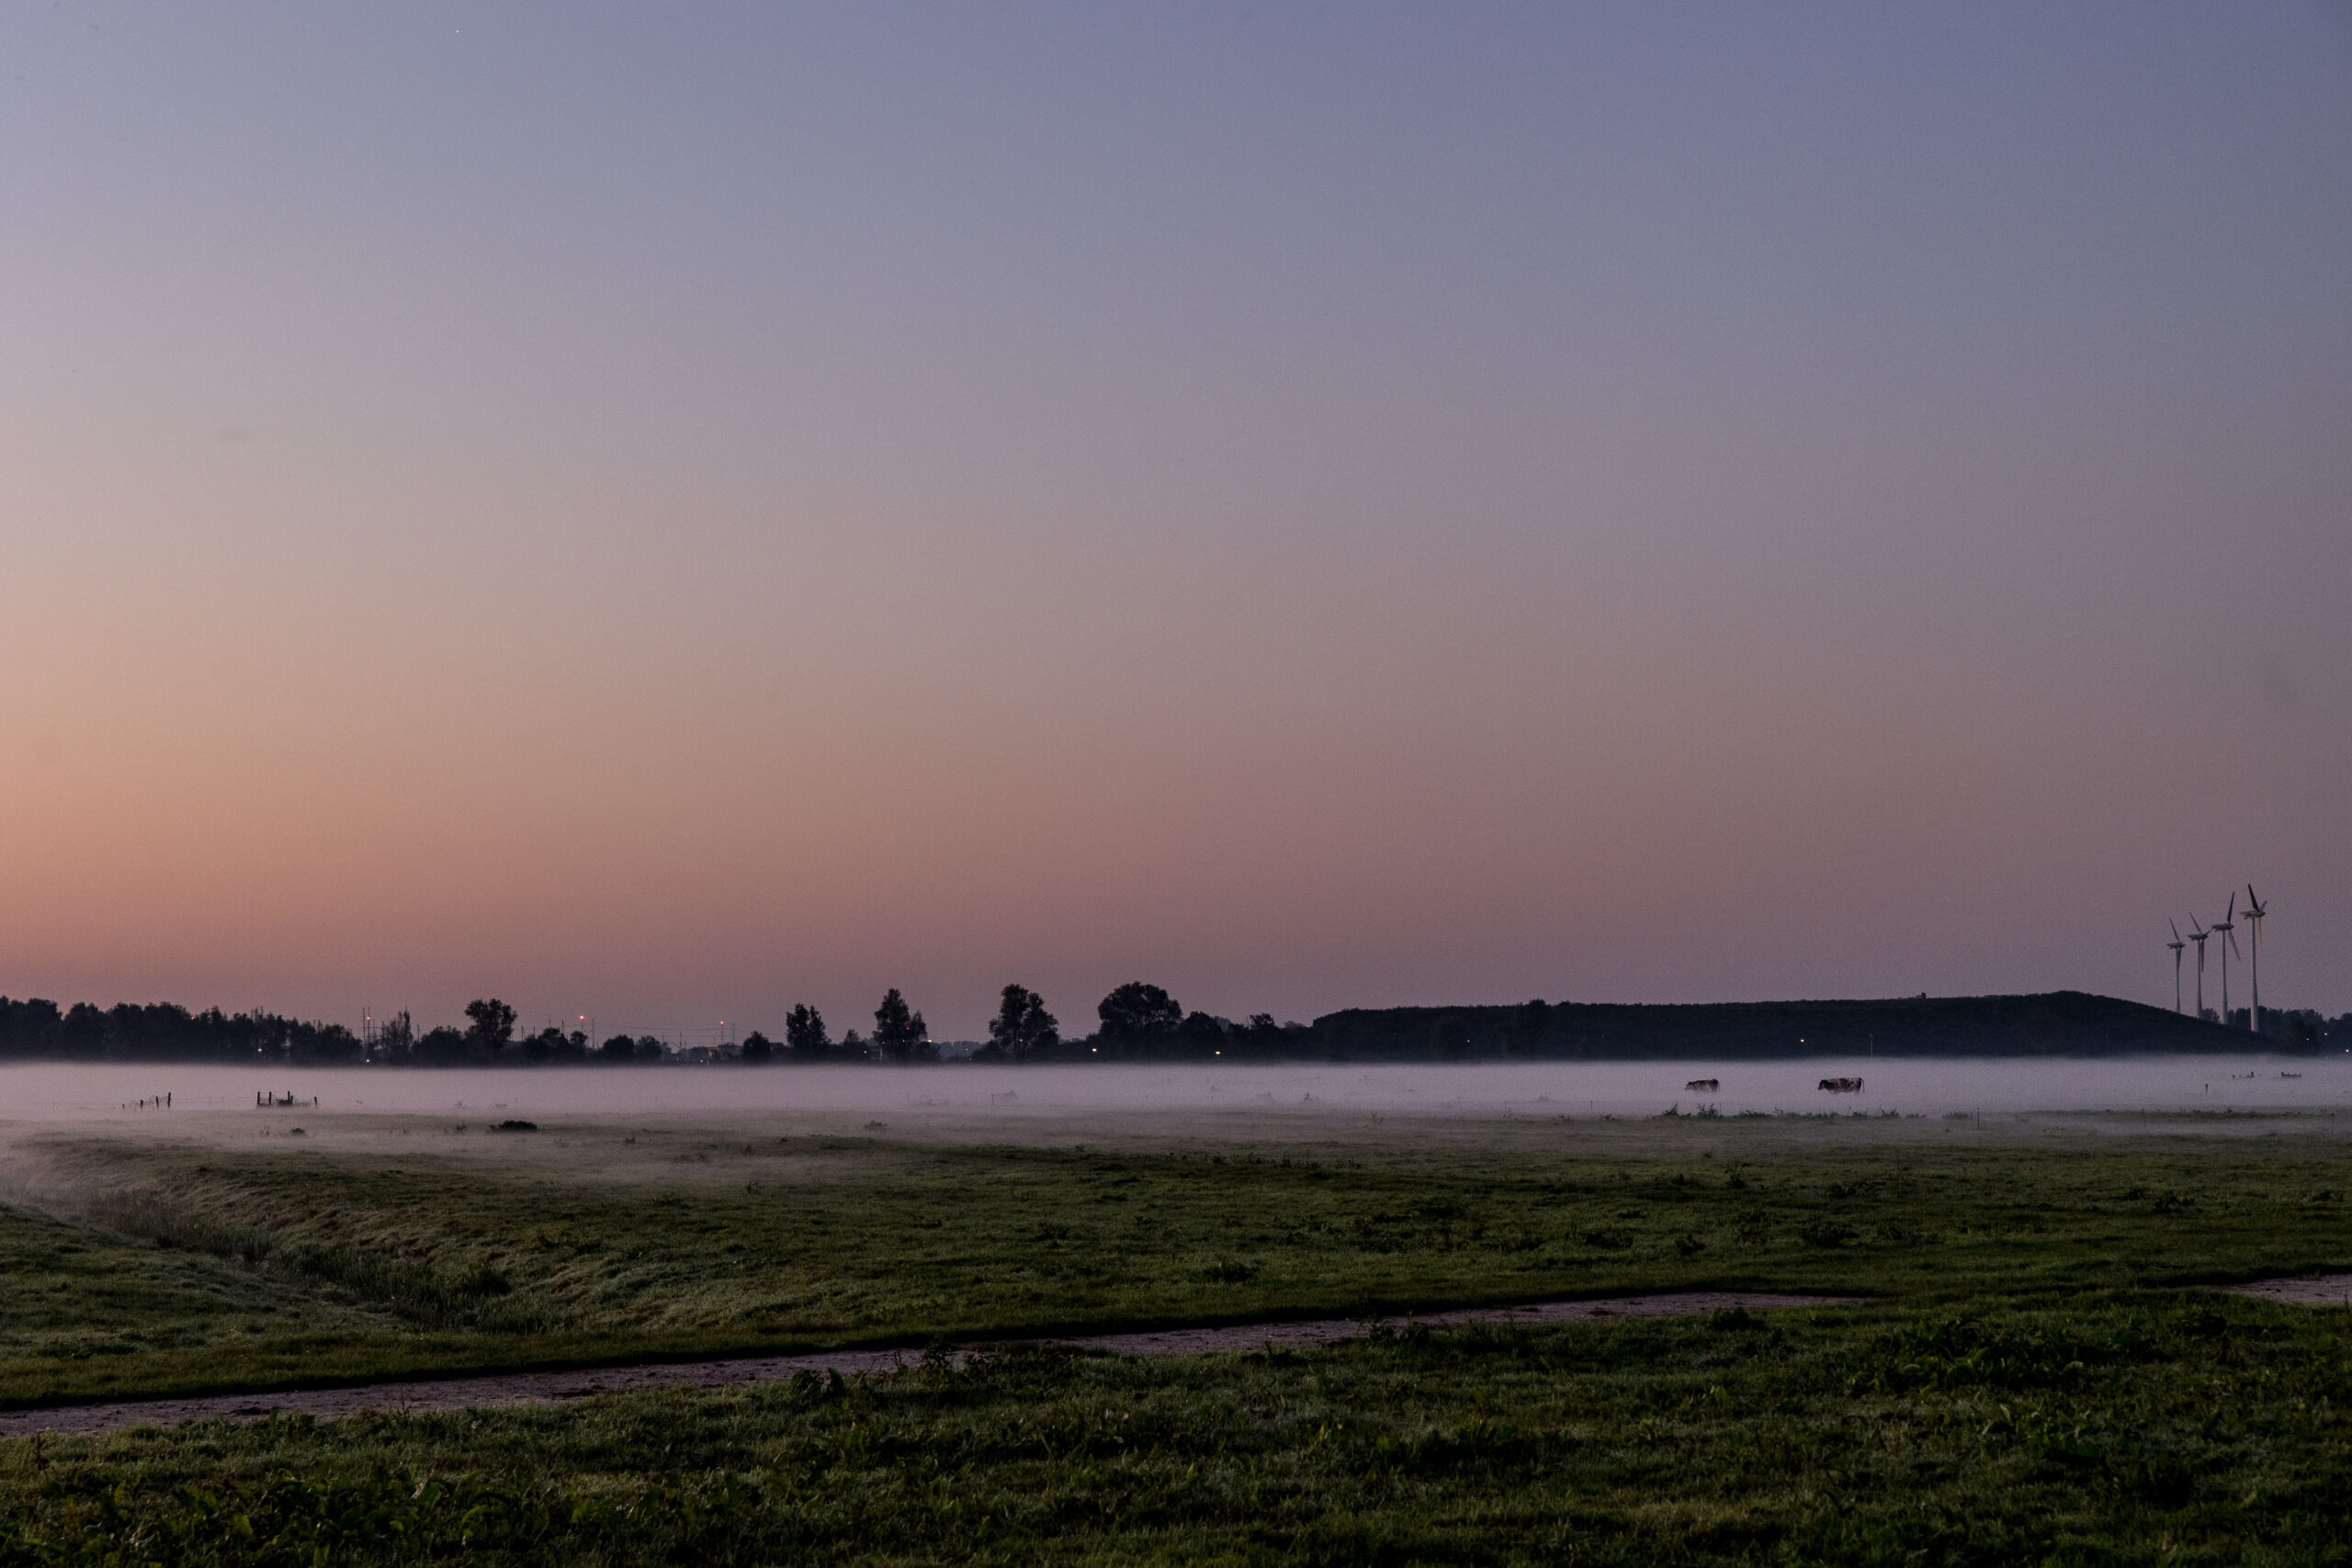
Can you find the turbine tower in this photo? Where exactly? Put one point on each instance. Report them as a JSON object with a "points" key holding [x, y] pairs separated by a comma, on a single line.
{"points": [[2198, 934], [2176, 945], [2255, 910], [2227, 925]]}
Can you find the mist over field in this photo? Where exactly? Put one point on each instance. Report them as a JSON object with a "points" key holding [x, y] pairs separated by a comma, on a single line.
{"points": [[1026, 1103]]}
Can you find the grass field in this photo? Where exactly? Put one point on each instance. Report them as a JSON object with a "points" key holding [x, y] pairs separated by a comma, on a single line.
{"points": [[2028, 1383]]}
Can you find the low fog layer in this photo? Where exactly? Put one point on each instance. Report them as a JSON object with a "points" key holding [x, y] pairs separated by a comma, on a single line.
{"points": [[59, 1093]]}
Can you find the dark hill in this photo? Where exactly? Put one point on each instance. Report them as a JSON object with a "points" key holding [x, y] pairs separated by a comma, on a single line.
{"points": [[2059, 1023]]}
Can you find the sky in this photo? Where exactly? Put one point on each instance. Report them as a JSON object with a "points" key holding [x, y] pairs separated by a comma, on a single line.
{"points": [[665, 512]]}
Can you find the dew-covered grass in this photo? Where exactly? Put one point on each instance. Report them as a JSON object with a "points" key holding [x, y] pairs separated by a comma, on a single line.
{"points": [[2030, 1379], [2075, 1426]]}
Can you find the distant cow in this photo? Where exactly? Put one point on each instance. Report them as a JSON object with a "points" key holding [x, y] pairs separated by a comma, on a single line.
{"points": [[1707, 1084], [1842, 1085]]}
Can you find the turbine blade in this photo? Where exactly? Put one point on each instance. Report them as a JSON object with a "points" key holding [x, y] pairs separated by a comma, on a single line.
{"points": [[2176, 928]]}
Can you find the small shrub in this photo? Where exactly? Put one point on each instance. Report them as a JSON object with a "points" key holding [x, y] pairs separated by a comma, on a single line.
{"points": [[1825, 1232], [481, 1278]]}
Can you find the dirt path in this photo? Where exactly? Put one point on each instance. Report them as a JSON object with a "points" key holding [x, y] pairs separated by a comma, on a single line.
{"points": [[534, 1388], [2327, 1290]]}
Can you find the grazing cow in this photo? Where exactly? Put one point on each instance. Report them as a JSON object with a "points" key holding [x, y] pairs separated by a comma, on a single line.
{"points": [[1707, 1084], [1842, 1085]]}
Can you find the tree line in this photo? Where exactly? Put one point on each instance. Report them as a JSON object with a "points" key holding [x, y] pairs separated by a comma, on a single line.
{"points": [[1136, 1021]]}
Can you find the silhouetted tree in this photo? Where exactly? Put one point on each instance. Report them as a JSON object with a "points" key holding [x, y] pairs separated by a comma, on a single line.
{"points": [[757, 1048], [854, 1046], [86, 1032], [1450, 1037], [323, 1045], [444, 1047], [1203, 1033], [1261, 1036], [29, 1028], [493, 1027], [649, 1049], [1524, 1030], [1022, 1027], [901, 1036], [804, 1035], [396, 1040], [1138, 1017], [619, 1048]]}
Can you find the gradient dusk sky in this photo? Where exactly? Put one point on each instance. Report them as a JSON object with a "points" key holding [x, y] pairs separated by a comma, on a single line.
{"points": [[670, 511]]}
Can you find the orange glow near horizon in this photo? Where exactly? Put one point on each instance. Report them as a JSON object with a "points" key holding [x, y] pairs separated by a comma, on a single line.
{"points": [[472, 527]]}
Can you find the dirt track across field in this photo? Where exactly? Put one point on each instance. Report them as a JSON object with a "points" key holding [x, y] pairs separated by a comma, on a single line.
{"points": [[534, 1388]]}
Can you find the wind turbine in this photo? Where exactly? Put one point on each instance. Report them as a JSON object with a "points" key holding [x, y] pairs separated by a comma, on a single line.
{"points": [[2198, 934], [2255, 910], [2227, 925], [2176, 945]]}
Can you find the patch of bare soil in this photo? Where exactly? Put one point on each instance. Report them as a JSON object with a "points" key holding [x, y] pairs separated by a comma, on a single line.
{"points": [[534, 1388], [2325, 1290]]}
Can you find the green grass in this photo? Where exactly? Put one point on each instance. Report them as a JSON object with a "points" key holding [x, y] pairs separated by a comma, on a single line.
{"points": [[2028, 1383], [201, 1270], [2104, 1428], [77, 1295]]}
